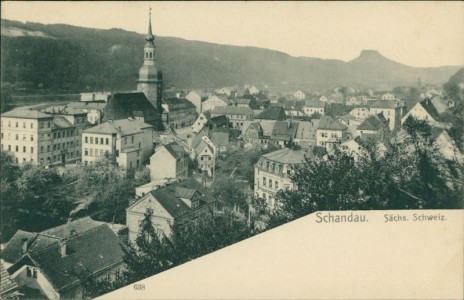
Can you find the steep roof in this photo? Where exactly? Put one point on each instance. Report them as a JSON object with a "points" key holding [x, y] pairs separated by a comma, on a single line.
{"points": [[305, 131], [123, 127], [219, 120], [430, 108], [272, 113], [26, 114], [176, 150], [328, 123], [374, 122], [88, 251], [287, 156], [77, 226], [284, 131], [179, 103], [232, 110]]}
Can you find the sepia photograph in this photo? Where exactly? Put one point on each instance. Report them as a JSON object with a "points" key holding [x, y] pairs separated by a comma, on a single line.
{"points": [[232, 150]]}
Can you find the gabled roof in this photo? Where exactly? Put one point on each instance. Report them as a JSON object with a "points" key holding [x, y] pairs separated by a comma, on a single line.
{"points": [[305, 131], [284, 131], [374, 122], [6, 283], [26, 114], [328, 123], [232, 110], [429, 108], [123, 127], [92, 251], [287, 156], [224, 98], [77, 226], [272, 113], [219, 120], [176, 150], [178, 103]]}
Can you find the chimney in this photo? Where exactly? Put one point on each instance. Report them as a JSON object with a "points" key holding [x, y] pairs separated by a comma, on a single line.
{"points": [[23, 246], [62, 247]]}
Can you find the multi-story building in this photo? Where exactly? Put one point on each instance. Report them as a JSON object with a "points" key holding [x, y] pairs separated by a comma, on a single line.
{"points": [[273, 170], [392, 111], [236, 115], [314, 107], [41, 138], [130, 141], [197, 98], [330, 132], [169, 161], [94, 110], [181, 112]]}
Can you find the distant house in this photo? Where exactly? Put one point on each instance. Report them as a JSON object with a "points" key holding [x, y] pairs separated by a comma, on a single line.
{"points": [[391, 109], [283, 133], [388, 96], [300, 95], [94, 110], [177, 203], [204, 152], [205, 120], [423, 110], [215, 101], [180, 112], [229, 92], [197, 98], [355, 100], [95, 96], [169, 161], [360, 112], [235, 115], [130, 141], [253, 134], [133, 105], [446, 145], [273, 170], [330, 132], [352, 148], [274, 113], [305, 135], [253, 90], [51, 262], [314, 106]]}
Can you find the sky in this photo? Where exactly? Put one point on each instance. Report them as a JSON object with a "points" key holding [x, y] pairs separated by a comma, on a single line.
{"points": [[420, 34]]}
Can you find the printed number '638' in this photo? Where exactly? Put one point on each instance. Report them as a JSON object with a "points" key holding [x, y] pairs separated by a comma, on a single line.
{"points": [[139, 287]]}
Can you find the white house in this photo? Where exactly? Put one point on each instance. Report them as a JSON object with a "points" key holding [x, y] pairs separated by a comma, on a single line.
{"points": [[169, 161], [300, 95], [388, 96], [215, 101], [423, 110], [330, 132], [314, 106]]}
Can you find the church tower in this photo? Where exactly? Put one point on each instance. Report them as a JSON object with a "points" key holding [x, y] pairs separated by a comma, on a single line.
{"points": [[150, 80]]}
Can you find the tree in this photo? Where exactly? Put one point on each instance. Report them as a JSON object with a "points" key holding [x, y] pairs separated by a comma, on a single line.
{"points": [[9, 174]]}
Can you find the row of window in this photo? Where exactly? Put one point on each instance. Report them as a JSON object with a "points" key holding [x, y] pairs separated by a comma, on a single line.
{"points": [[326, 135], [96, 140], [276, 183], [96, 153]]}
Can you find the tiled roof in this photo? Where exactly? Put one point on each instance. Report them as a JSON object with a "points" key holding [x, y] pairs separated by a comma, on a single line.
{"points": [[430, 108], [272, 113], [284, 131], [232, 110], [328, 123], [315, 103], [12, 252], [305, 131], [287, 156], [6, 283], [92, 251], [174, 103], [176, 150], [62, 122], [123, 127], [26, 114], [219, 120], [77, 226], [63, 110], [374, 122]]}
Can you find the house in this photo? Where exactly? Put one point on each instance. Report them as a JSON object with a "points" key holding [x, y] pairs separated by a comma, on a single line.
{"points": [[221, 140], [197, 97], [360, 112], [314, 107], [300, 95], [205, 152], [94, 110], [355, 100], [272, 172], [177, 203], [374, 125], [215, 101], [42, 138], [235, 115], [253, 134], [423, 110], [392, 111], [169, 161], [305, 135], [133, 105], [129, 140], [180, 112], [330, 132], [440, 104], [274, 113], [205, 120], [336, 97], [228, 91], [388, 96], [352, 148], [351, 122], [55, 270], [253, 90], [283, 133], [446, 145]]}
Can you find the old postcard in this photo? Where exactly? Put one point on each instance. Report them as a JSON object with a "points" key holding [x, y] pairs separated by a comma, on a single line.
{"points": [[232, 150]]}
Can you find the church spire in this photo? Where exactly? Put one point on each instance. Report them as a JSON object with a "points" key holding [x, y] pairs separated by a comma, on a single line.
{"points": [[149, 37]]}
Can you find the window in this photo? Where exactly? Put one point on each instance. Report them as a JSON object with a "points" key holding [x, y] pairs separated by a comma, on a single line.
{"points": [[96, 141], [59, 134], [107, 141], [32, 125], [91, 140], [41, 149], [9, 147], [264, 181], [9, 123], [32, 149], [101, 141], [17, 136], [125, 140], [86, 139], [91, 152], [86, 151], [48, 148], [132, 139], [16, 124], [101, 152], [270, 183], [276, 184], [41, 125], [32, 137], [48, 124], [17, 148], [24, 124], [24, 137]]}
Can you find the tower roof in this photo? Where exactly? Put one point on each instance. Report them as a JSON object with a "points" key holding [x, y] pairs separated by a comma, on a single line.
{"points": [[149, 37]]}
